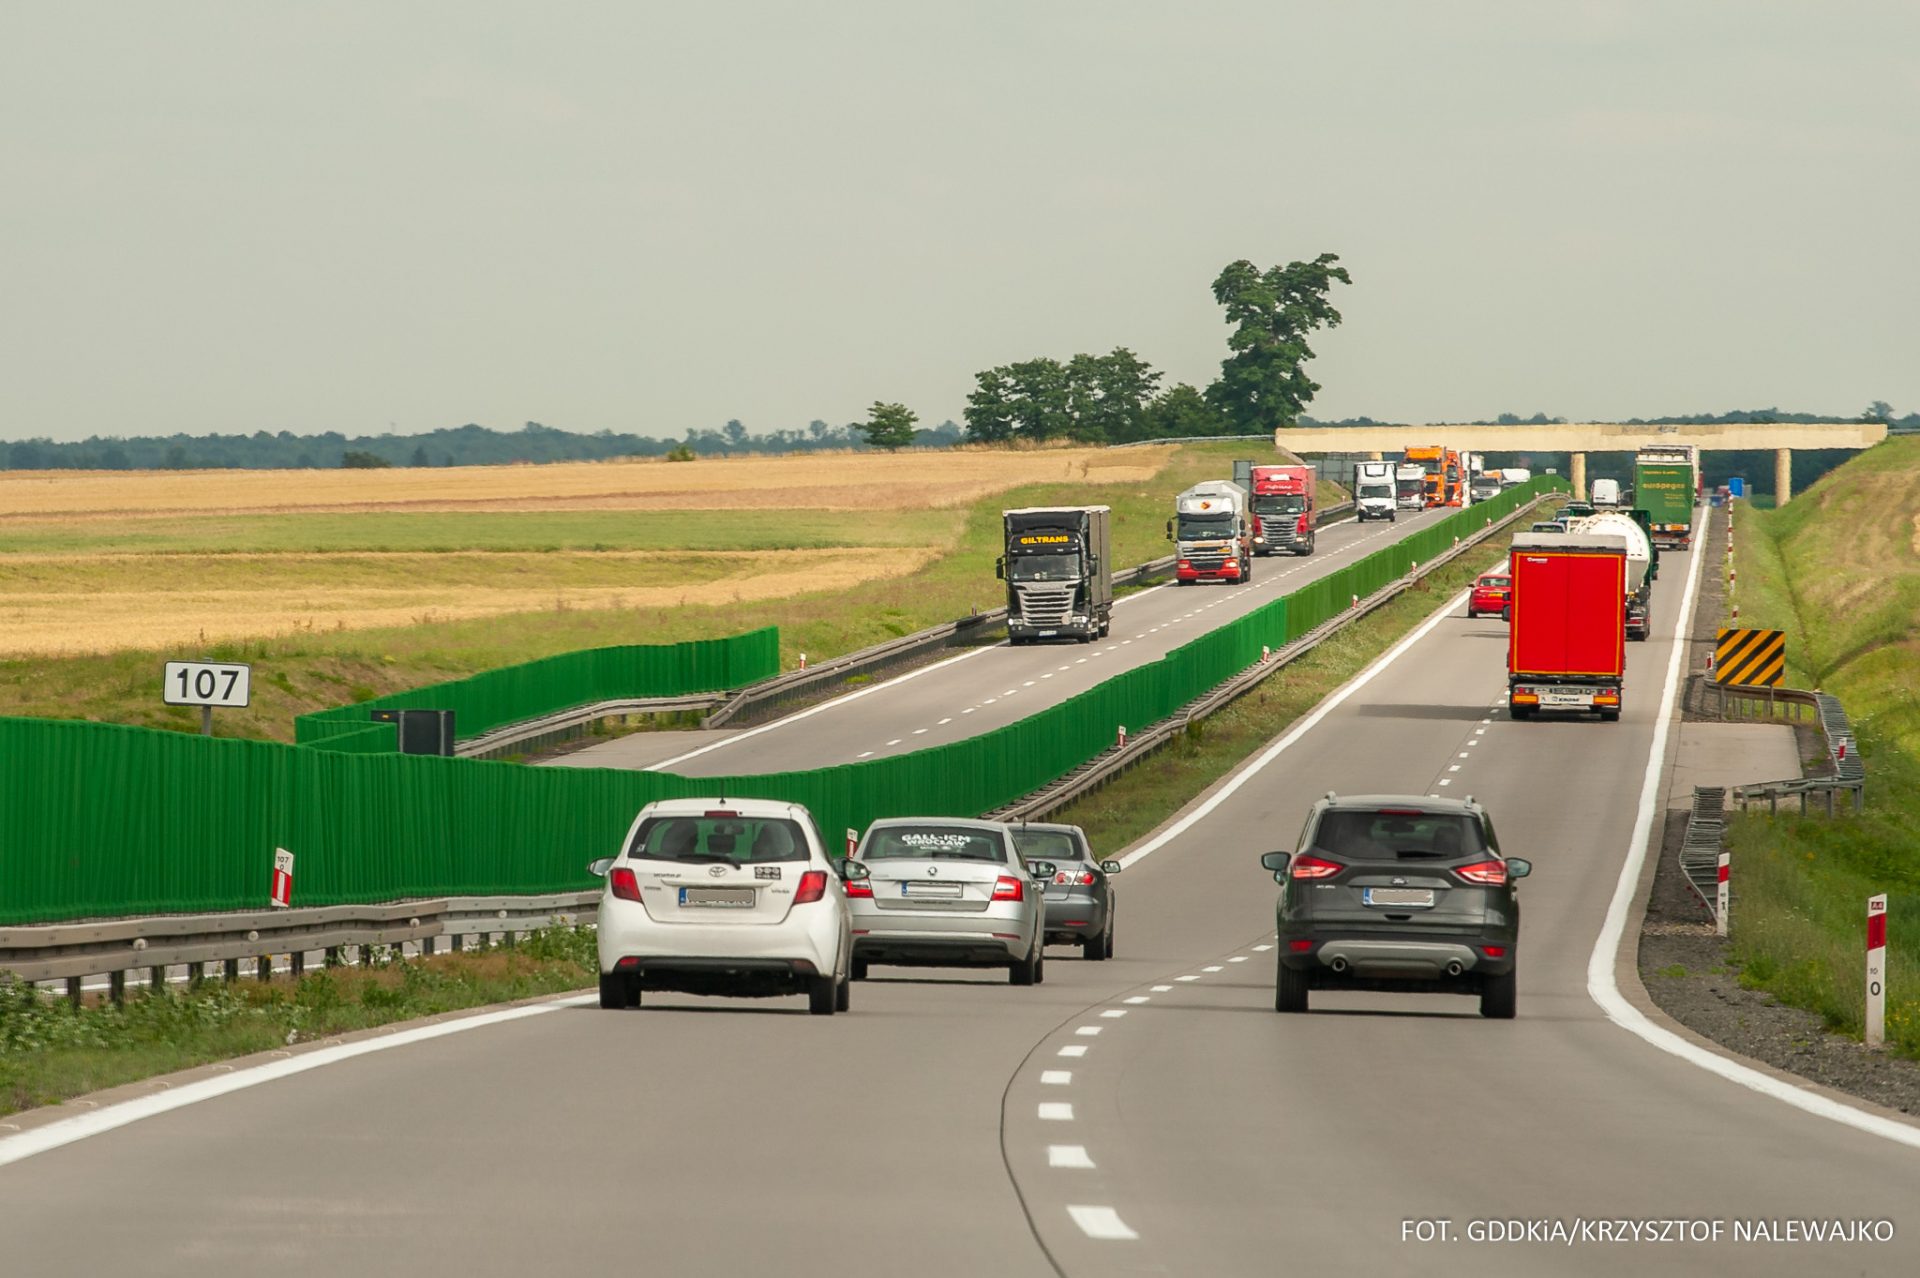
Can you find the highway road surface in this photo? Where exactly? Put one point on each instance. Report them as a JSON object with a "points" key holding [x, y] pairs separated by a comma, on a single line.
{"points": [[992, 686], [1147, 1115]]}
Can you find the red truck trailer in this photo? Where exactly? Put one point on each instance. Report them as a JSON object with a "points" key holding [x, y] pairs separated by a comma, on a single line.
{"points": [[1286, 509], [1566, 647]]}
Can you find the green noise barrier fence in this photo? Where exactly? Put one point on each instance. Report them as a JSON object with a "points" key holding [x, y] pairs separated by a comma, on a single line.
{"points": [[510, 694], [99, 820]]}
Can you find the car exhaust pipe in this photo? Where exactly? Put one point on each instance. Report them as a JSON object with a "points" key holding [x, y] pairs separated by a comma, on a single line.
{"points": [[1454, 968], [1339, 963]]}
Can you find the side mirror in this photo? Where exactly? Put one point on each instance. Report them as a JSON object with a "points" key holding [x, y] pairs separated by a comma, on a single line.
{"points": [[598, 869], [1518, 867], [1110, 868], [852, 871], [1000, 568], [1042, 869], [1275, 861], [1169, 530]]}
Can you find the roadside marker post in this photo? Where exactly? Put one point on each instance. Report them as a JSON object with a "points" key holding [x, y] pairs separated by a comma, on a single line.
{"points": [[1876, 1034], [853, 841], [281, 894], [1121, 742], [1723, 895]]}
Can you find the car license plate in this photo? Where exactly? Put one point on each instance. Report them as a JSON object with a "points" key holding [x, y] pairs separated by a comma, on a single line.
{"points": [[725, 898], [1397, 896], [931, 891], [1553, 698]]}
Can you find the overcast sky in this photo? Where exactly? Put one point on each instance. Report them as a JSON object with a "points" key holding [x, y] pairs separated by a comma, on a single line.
{"points": [[645, 217]]}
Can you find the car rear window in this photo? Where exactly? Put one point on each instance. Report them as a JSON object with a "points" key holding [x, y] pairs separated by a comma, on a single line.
{"points": [[718, 839], [1047, 845], [1496, 583], [933, 842], [1392, 836]]}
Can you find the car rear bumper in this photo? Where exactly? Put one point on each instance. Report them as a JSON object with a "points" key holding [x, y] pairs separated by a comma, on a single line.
{"points": [[1075, 918], [1229, 571], [942, 940], [1400, 961], [810, 937]]}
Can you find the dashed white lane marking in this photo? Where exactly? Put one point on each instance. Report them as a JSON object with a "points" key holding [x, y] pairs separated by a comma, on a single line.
{"points": [[1056, 1111], [1479, 732], [1070, 667], [918, 731], [968, 710], [1081, 662], [1027, 684], [1238, 958], [1453, 767], [989, 701], [1486, 721], [944, 722], [1009, 692], [1161, 989], [1056, 1077], [896, 741], [1103, 1223], [1088, 1031], [1186, 978], [864, 754], [1138, 999], [1263, 948], [1073, 1049], [1461, 755], [1214, 968], [1073, 1156], [1446, 780], [1047, 675], [1114, 1013]]}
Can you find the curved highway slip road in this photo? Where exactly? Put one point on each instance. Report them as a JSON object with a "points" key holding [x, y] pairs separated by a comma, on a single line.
{"points": [[1147, 1115], [990, 687]]}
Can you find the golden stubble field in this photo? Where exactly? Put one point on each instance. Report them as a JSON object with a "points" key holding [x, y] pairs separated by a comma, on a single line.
{"points": [[838, 481], [68, 604]]}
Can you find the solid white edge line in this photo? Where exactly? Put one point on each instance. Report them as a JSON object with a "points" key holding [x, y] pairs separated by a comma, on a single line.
{"points": [[1250, 770], [1101, 1222], [68, 1130], [1604, 988], [810, 711]]}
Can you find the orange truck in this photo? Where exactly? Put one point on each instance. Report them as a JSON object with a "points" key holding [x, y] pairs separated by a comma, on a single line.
{"points": [[1445, 471]]}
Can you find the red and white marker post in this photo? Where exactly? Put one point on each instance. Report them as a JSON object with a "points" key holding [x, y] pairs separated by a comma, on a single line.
{"points": [[853, 841], [1876, 1034], [1723, 893], [1120, 743], [282, 891]]}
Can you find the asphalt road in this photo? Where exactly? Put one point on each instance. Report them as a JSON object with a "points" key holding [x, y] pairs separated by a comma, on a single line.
{"points": [[989, 687], [1150, 1114]]}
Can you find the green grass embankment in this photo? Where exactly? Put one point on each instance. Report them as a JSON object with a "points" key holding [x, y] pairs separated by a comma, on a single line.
{"points": [[1838, 569]]}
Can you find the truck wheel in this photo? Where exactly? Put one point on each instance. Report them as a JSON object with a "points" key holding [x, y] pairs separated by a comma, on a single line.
{"points": [[1246, 572], [1499, 996], [1289, 990]]}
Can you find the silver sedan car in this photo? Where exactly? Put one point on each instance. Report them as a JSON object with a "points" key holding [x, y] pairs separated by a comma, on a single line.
{"points": [[1080, 890], [947, 892]]}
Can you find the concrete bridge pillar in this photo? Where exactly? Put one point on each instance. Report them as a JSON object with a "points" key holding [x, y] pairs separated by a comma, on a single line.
{"points": [[1782, 475], [1577, 474], [1375, 456]]}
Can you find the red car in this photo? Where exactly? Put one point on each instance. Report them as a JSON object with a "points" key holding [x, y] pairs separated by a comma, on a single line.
{"points": [[1492, 594]]}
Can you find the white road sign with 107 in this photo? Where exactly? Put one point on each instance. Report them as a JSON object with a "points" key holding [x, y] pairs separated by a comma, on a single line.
{"points": [[206, 683]]}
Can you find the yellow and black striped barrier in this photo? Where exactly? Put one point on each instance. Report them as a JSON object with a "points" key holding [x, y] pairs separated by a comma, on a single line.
{"points": [[1750, 658]]}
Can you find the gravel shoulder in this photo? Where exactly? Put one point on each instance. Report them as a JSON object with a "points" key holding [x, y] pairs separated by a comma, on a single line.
{"points": [[1686, 968]]}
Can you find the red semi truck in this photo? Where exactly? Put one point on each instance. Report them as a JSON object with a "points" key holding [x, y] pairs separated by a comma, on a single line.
{"points": [[1285, 509], [1567, 648]]}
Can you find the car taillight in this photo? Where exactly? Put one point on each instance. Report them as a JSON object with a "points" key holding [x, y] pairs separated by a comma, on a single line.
{"points": [[1009, 888], [1312, 867], [1491, 873], [624, 885], [813, 886], [862, 888], [1073, 878], [1494, 951]]}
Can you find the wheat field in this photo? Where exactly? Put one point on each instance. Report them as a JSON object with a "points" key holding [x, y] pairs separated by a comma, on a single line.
{"points": [[160, 588]]}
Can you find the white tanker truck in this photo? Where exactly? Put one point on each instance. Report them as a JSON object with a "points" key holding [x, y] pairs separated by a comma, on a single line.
{"points": [[1642, 565]]}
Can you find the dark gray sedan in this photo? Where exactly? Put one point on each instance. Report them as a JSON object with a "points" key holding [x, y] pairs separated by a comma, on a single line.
{"points": [[1080, 893]]}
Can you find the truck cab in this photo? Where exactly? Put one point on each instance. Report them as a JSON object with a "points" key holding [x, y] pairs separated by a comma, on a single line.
{"points": [[1410, 486], [1285, 509], [1212, 534], [1373, 491], [1059, 573]]}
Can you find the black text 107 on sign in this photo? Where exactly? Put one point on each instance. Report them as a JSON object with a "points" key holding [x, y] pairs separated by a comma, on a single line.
{"points": [[206, 683]]}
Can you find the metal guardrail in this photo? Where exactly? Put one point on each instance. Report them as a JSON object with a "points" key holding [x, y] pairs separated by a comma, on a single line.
{"points": [[1700, 847], [1848, 772], [550, 729], [114, 947], [1097, 771]]}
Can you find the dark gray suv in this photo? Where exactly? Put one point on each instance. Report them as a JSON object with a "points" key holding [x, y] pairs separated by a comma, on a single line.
{"points": [[1401, 893]]}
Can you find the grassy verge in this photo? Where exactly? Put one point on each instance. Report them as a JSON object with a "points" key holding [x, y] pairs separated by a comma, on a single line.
{"points": [[1153, 790], [50, 1051], [1838, 569], [315, 669]]}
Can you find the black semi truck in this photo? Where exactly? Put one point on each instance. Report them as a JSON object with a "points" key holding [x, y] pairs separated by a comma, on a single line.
{"points": [[1059, 573]]}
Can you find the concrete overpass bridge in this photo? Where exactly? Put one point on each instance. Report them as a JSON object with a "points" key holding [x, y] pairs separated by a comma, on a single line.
{"points": [[1579, 439]]}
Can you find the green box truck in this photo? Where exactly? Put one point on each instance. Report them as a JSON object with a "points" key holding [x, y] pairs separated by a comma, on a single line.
{"points": [[1666, 484]]}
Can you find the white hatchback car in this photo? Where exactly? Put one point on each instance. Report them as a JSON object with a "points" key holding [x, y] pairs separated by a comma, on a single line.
{"points": [[725, 896]]}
